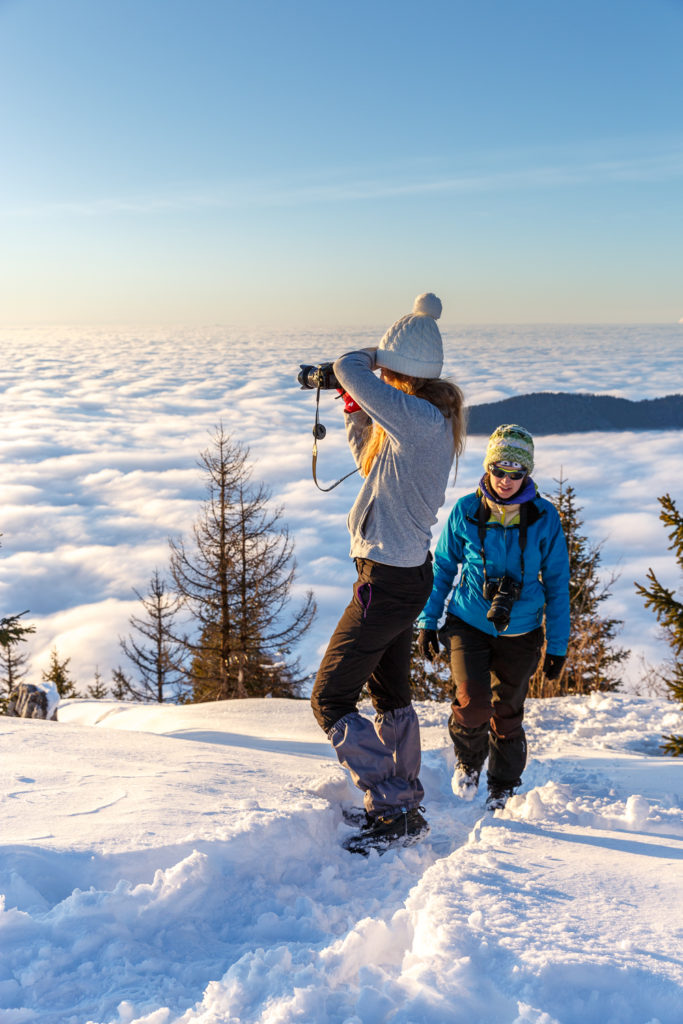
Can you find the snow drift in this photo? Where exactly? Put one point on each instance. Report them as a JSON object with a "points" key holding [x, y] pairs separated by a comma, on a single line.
{"points": [[167, 865]]}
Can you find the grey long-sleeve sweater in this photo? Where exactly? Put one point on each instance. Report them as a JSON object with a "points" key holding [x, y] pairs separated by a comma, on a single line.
{"points": [[392, 518]]}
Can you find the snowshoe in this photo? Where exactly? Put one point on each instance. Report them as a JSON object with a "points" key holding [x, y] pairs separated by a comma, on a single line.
{"points": [[498, 796], [465, 782], [383, 832]]}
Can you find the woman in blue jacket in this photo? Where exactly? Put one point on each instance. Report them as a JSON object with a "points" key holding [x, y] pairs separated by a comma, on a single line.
{"points": [[507, 544]]}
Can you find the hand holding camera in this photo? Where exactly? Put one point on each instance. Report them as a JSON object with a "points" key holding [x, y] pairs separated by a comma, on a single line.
{"points": [[350, 403]]}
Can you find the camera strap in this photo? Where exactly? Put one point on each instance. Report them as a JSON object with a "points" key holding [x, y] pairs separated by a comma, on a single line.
{"points": [[318, 434], [483, 516]]}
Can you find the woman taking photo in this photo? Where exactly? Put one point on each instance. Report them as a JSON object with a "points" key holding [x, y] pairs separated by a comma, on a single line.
{"points": [[404, 428], [508, 545]]}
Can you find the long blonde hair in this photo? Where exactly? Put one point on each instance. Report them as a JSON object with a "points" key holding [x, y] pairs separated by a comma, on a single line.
{"points": [[444, 394]]}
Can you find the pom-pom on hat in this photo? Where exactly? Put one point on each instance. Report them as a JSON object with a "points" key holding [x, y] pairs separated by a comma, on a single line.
{"points": [[413, 344], [512, 445]]}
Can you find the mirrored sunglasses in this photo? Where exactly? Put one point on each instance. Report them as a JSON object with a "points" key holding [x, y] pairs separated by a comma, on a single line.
{"points": [[514, 474]]}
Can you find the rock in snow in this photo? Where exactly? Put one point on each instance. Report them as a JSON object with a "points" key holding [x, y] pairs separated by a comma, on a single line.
{"points": [[34, 700]]}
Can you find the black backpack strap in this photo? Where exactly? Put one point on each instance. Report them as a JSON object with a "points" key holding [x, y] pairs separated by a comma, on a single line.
{"points": [[523, 523], [483, 516]]}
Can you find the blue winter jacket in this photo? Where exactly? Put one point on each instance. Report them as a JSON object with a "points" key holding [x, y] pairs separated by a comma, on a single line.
{"points": [[546, 571]]}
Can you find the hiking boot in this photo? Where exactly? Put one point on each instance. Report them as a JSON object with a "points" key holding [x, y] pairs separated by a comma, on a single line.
{"points": [[356, 816], [465, 781], [387, 830], [498, 797]]}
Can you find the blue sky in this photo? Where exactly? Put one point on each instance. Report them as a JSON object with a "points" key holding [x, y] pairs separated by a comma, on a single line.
{"points": [[286, 162]]}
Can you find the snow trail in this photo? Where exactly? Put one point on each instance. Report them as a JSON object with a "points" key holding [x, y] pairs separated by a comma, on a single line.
{"points": [[214, 889]]}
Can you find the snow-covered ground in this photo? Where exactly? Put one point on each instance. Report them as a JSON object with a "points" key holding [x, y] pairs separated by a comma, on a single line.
{"points": [[100, 430], [182, 865]]}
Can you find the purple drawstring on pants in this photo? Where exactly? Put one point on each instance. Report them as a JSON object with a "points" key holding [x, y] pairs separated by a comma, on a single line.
{"points": [[365, 605]]}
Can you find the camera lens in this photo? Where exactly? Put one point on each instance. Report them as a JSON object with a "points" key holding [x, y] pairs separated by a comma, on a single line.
{"points": [[307, 377], [312, 377], [507, 592]]}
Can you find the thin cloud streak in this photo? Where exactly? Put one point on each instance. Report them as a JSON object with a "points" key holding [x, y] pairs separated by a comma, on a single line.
{"points": [[658, 167]]}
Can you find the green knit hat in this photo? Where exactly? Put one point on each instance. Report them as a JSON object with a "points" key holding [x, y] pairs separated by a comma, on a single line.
{"points": [[510, 444]]}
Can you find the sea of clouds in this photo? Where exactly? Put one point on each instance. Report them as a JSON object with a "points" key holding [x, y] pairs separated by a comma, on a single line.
{"points": [[100, 430]]}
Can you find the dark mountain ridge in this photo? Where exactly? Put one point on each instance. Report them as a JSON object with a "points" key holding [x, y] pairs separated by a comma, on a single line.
{"points": [[544, 412]]}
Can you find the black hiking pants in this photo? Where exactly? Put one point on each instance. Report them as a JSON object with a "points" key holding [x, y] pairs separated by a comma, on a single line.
{"points": [[371, 644], [372, 641], [491, 678]]}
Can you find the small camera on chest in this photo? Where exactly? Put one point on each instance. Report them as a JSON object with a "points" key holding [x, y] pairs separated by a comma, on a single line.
{"points": [[502, 593]]}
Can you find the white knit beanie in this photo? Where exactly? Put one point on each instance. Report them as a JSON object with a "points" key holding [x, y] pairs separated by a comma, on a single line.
{"points": [[413, 344]]}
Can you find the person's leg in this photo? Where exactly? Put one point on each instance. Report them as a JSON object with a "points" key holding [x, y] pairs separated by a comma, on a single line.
{"points": [[389, 685], [354, 651], [396, 722], [514, 662], [371, 764], [369, 644], [403, 593], [468, 724], [399, 731]]}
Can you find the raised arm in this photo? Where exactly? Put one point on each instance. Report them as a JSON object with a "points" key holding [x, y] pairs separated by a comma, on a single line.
{"points": [[394, 410]]}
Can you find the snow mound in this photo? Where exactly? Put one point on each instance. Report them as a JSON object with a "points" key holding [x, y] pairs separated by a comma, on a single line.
{"points": [[166, 865]]}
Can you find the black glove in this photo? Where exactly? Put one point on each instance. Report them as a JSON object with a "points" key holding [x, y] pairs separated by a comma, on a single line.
{"points": [[428, 644], [552, 666]]}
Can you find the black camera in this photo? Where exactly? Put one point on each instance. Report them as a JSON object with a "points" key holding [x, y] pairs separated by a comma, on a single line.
{"points": [[502, 593], [312, 377]]}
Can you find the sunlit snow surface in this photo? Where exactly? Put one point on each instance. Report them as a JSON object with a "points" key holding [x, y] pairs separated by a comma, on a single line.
{"points": [[100, 431], [182, 865]]}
